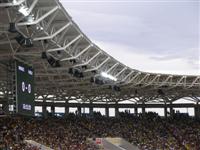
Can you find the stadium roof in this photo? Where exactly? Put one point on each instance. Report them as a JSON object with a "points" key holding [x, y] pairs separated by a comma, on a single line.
{"points": [[67, 64]]}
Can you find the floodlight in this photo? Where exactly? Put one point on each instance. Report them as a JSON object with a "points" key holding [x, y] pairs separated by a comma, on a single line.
{"points": [[39, 27], [24, 10], [30, 18], [14, 2], [105, 75]]}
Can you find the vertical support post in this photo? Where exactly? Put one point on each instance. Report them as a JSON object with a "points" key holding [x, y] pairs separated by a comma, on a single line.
{"points": [[136, 110], [165, 110], [53, 110], [44, 111], [44, 108], [66, 108], [91, 109], [143, 108], [79, 110], [197, 111], [5, 107], [107, 111], [116, 110], [171, 109]]}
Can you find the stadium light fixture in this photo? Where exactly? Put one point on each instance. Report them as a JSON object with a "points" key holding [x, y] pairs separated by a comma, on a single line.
{"points": [[105, 75], [39, 27], [24, 10], [30, 18], [14, 2]]}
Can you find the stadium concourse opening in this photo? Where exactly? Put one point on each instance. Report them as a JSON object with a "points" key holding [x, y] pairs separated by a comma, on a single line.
{"points": [[59, 90]]}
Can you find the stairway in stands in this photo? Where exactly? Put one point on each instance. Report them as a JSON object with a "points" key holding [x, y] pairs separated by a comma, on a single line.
{"points": [[115, 144]]}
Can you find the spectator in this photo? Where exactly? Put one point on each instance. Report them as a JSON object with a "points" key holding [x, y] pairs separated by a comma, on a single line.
{"points": [[148, 132]]}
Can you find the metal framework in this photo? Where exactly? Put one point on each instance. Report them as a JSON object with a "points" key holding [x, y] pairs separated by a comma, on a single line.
{"points": [[51, 29]]}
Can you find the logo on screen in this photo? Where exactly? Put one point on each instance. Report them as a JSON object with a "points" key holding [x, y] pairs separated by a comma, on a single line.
{"points": [[26, 107], [29, 88], [24, 87]]}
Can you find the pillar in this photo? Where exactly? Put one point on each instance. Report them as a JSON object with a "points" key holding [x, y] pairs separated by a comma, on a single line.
{"points": [[91, 110], [197, 111], [116, 110], [5, 107], [171, 109], [66, 108], [44, 111], [136, 110], [107, 111], [79, 110], [52, 110], [165, 110], [143, 108]]}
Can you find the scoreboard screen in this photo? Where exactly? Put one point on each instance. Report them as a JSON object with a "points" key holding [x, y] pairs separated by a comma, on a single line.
{"points": [[24, 89]]}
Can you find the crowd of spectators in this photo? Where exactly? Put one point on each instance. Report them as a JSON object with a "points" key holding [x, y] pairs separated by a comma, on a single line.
{"points": [[148, 132]]}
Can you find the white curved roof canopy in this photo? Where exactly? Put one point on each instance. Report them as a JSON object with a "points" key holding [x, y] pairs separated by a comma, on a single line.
{"points": [[53, 31]]}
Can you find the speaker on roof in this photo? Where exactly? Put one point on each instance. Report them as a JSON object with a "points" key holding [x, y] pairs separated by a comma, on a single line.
{"points": [[51, 60], [84, 67], [70, 71], [81, 75], [58, 52], [44, 55], [136, 91], [94, 71], [57, 64], [92, 79], [20, 39], [28, 42], [160, 92], [98, 81], [73, 61], [116, 88], [12, 27], [45, 41]]}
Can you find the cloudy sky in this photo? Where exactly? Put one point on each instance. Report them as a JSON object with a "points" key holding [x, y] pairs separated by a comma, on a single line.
{"points": [[155, 35]]}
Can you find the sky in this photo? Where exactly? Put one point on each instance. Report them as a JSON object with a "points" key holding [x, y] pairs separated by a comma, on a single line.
{"points": [[153, 36]]}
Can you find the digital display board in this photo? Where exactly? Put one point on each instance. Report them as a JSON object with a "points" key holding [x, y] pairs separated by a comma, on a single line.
{"points": [[24, 89]]}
